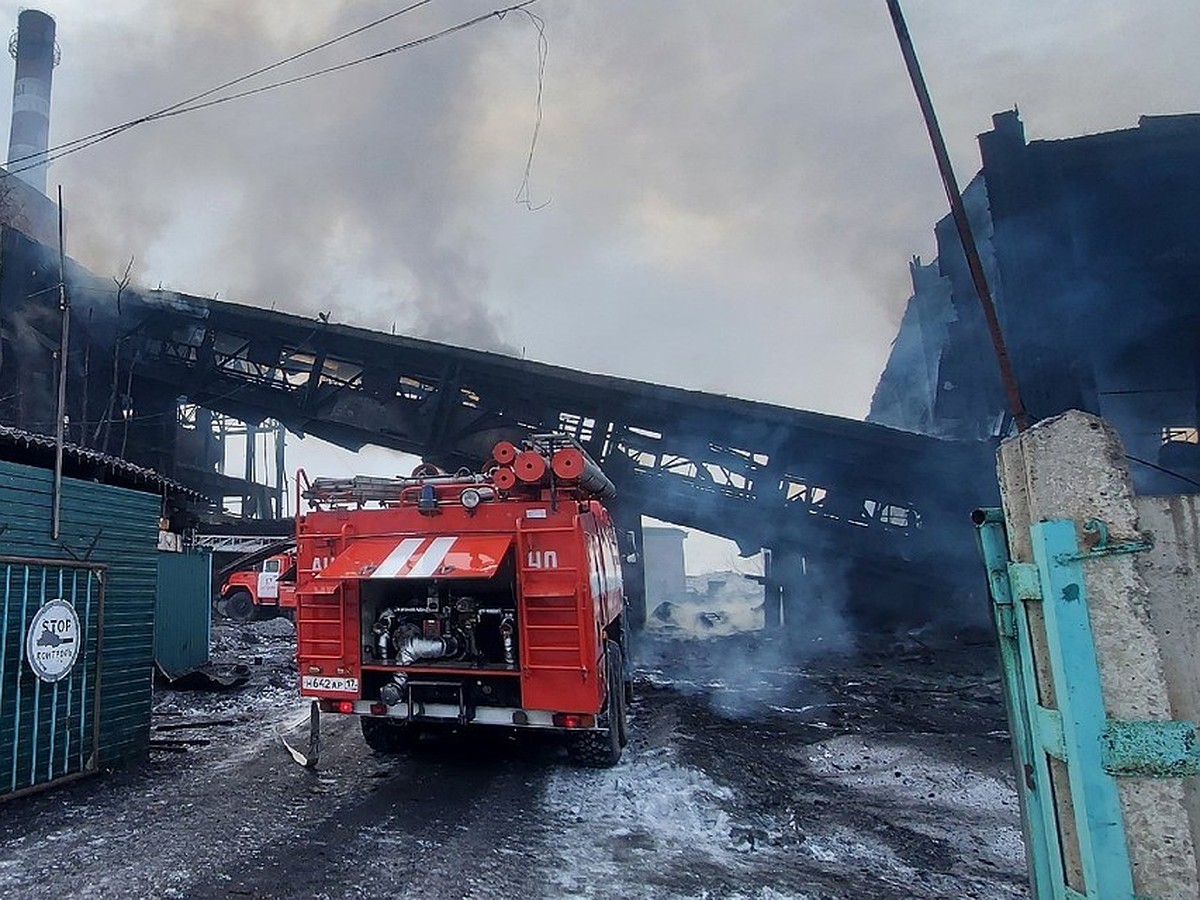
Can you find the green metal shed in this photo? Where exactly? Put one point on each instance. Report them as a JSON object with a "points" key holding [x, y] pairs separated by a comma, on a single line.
{"points": [[65, 712]]}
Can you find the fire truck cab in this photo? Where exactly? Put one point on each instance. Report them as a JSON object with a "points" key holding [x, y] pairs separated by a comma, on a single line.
{"points": [[465, 600]]}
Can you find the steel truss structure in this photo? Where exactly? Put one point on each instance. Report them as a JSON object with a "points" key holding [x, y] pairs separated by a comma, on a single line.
{"points": [[847, 499]]}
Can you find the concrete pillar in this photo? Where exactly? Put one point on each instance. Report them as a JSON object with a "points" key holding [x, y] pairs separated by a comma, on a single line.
{"points": [[1172, 571], [281, 475], [798, 609], [249, 497], [1073, 468]]}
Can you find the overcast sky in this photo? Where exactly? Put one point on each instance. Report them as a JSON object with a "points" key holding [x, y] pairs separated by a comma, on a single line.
{"points": [[732, 190]]}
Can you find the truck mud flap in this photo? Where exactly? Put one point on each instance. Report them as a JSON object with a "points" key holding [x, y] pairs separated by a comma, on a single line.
{"points": [[309, 759]]}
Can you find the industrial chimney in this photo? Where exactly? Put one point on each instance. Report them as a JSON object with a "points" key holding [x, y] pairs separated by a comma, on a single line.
{"points": [[33, 47]]}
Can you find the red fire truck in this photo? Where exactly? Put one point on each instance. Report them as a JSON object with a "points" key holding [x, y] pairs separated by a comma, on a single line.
{"points": [[260, 592], [452, 601]]}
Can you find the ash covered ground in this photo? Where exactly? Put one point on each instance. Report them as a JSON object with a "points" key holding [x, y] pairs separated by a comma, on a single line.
{"points": [[757, 769]]}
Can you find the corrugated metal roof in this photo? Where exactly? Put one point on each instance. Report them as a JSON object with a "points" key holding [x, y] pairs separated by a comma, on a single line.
{"points": [[31, 448]]}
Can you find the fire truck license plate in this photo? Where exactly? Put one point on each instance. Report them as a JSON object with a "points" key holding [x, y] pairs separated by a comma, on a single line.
{"points": [[325, 683]]}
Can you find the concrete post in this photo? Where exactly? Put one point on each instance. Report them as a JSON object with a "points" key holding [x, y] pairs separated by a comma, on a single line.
{"points": [[1172, 571], [1073, 468]]}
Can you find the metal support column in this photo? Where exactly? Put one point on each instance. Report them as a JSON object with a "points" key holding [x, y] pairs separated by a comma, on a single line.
{"points": [[280, 471], [249, 498], [772, 593]]}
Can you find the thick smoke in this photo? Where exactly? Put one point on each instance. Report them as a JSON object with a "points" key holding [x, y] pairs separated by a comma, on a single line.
{"points": [[717, 180], [714, 646], [714, 174], [342, 195]]}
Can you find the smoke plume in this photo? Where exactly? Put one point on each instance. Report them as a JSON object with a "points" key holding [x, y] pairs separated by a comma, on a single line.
{"points": [[718, 178]]}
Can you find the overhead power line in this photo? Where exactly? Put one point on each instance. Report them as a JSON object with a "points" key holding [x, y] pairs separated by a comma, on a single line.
{"points": [[116, 129], [199, 101]]}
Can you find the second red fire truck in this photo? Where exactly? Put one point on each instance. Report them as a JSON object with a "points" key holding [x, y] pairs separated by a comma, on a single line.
{"points": [[467, 600], [263, 591]]}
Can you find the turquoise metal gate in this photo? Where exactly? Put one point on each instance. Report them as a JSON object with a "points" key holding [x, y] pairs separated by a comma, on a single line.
{"points": [[51, 628], [1069, 752]]}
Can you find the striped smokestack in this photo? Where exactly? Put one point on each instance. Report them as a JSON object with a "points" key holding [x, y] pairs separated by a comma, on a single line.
{"points": [[34, 50]]}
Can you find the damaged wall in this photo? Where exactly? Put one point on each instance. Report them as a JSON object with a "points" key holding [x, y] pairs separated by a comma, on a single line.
{"points": [[1093, 253]]}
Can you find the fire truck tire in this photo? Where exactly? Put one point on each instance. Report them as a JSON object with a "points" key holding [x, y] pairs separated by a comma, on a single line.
{"points": [[385, 736], [239, 606], [602, 749]]}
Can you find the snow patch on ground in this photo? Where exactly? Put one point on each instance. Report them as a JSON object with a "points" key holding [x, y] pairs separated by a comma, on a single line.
{"points": [[840, 846], [971, 814], [936, 792], [649, 807]]}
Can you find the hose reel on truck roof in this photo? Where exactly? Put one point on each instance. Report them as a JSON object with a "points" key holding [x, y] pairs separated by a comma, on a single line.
{"points": [[544, 461]]}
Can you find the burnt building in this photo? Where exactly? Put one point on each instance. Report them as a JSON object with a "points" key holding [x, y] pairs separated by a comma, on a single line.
{"points": [[1092, 249], [849, 509]]}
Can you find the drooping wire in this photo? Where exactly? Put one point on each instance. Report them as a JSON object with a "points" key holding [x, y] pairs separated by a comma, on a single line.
{"points": [[543, 49], [191, 104], [1158, 468]]}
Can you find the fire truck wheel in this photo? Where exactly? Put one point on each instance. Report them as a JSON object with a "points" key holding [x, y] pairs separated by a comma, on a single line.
{"points": [[386, 736], [240, 607], [602, 749]]}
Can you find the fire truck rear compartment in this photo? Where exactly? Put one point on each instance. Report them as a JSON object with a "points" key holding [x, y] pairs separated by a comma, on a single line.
{"points": [[452, 624]]}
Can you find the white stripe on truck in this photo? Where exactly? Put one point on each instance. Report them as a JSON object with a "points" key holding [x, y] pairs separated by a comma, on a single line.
{"points": [[431, 558], [398, 558]]}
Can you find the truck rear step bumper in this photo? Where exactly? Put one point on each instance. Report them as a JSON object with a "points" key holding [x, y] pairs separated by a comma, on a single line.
{"points": [[509, 717]]}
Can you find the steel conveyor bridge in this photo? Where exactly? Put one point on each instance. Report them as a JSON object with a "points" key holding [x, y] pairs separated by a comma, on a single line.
{"points": [[884, 510]]}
